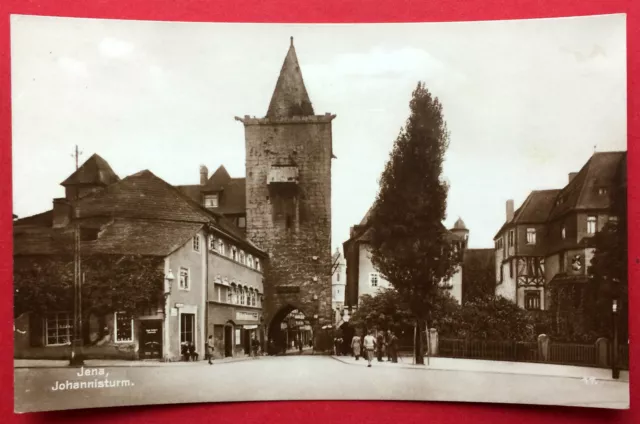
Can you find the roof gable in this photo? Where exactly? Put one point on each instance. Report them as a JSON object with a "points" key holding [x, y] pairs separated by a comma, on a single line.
{"points": [[290, 97], [536, 208]]}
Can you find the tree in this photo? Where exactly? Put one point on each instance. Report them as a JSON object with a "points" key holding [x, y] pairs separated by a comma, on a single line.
{"points": [[384, 311], [609, 266], [479, 275], [410, 246], [128, 284]]}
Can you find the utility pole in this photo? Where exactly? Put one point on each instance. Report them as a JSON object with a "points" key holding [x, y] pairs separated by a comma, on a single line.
{"points": [[77, 358]]}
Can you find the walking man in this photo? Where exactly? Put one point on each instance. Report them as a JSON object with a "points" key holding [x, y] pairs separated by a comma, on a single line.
{"points": [[369, 346], [210, 349], [380, 345]]}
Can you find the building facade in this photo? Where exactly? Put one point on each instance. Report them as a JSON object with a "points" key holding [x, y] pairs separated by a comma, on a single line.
{"points": [[364, 279], [338, 284], [141, 216], [548, 241]]}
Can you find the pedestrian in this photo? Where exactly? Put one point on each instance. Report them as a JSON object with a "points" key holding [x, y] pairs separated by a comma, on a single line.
{"points": [[184, 351], [193, 355], [380, 345], [210, 349], [394, 347], [388, 345], [355, 345], [255, 344], [369, 346]]}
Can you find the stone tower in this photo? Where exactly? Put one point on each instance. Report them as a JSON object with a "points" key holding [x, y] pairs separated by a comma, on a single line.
{"points": [[288, 199]]}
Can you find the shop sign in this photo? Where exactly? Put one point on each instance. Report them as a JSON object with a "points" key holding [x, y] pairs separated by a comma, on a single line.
{"points": [[246, 316]]}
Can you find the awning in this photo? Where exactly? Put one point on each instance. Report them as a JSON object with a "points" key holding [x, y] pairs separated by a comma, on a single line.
{"points": [[250, 327]]}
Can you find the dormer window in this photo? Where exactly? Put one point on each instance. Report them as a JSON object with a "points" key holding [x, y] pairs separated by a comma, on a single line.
{"points": [[592, 222], [602, 191], [211, 201]]}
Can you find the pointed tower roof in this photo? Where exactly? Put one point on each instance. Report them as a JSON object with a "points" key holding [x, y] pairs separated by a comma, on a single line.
{"points": [[94, 171], [290, 97], [459, 225]]}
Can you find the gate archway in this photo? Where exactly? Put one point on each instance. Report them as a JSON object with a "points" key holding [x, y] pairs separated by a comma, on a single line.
{"points": [[290, 331]]}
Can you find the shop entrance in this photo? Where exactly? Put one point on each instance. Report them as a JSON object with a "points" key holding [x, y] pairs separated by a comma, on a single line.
{"points": [[228, 340], [290, 333], [151, 339]]}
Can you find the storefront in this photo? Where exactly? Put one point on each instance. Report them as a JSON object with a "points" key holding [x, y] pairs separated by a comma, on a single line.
{"points": [[233, 328]]}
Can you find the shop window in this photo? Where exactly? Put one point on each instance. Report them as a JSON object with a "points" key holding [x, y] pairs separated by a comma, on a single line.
{"points": [[123, 327], [58, 328]]}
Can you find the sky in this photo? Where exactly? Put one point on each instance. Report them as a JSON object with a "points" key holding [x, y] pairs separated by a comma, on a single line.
{"points": [[526, 102]]}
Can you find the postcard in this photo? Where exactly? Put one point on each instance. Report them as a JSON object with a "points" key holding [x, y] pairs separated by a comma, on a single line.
{"points": [[215, 212]]}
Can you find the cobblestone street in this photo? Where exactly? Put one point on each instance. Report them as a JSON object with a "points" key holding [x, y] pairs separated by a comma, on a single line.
{"points": [[305, 378]]}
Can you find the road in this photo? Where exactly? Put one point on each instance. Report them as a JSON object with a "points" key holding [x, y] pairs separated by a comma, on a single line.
{"points": [[303, 378]]}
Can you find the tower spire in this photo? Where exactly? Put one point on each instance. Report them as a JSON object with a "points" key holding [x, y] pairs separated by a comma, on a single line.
{"points": [[290, 97]]}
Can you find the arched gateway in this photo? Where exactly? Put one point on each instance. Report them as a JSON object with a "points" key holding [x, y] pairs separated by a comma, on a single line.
{"points": [[288, 198]]}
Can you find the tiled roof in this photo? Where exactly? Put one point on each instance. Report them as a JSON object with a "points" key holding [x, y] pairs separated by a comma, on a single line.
{"points": [[120, 236], [536, 207], [219, 178], [290, 97], [142, 196], [95, 171], [232, 200], [582, 192], [459, 225], [41, 219]]}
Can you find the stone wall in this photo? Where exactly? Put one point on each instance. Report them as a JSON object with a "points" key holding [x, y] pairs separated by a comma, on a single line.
{"points": [[292, 222]]}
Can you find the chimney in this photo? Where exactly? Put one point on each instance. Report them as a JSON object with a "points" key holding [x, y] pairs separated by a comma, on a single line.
{"points": [[509, 210], [61, 213], [572, 175], [204, 174]]}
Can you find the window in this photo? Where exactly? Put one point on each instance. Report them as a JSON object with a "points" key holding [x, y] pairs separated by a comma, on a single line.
{"points": [[564, 233], [511, 268], [196, 243], [212, 243], [602, 191], [221, 249], [242, 222], [123, 330], [561, 262], [258, 264], [234, 253], [238, 337], [242, 296], [184, 279], [531, 236], [250, 261], [592, 222], [532, 300], [187, 328], [58, 328], [338, 276], [211, 201], [219, 294], [501, 273], [373, 279], [229, 295], [510, 238], [242, 258]]}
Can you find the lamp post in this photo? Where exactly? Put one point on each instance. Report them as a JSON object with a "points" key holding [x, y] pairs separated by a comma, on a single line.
{"points": [[615, 372]]}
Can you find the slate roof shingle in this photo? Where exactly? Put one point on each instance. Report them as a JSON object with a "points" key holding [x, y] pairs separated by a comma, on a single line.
{"points": [[94, 171]]}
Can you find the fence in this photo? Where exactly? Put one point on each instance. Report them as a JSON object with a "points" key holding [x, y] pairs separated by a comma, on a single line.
{"points": [[557, 353]]}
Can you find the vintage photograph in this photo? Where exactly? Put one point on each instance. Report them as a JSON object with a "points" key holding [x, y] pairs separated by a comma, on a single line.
{"points": [[211, 212]]}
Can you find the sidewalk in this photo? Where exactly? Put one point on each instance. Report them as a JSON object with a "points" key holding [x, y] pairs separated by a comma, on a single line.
{"points": [[501, 367], [103, 363]]}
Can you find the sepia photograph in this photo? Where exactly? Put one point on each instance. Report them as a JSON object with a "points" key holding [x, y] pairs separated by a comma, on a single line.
{"points": [[234, 212]]}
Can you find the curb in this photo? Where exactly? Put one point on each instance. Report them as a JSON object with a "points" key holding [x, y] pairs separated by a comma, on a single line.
{"points": [[426, 368], [137, 365]]}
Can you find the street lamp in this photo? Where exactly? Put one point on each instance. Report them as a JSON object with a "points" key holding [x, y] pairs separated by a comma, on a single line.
{"points": [[615, 372]]}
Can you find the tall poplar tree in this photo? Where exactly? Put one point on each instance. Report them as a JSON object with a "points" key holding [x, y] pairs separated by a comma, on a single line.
{"points": [[410, 246]]}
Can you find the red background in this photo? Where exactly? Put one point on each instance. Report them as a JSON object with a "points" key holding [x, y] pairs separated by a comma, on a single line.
{"points": [[309, 12]]}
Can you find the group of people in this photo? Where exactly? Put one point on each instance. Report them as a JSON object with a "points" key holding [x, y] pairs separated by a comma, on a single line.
{"points": [[383, 342]]}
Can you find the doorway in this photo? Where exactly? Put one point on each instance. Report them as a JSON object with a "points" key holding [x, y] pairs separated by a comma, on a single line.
{"points": [[228, 340], [151, 339]]}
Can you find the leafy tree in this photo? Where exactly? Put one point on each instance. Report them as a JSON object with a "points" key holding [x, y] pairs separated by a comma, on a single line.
{"points": [[384, 311], [409, 245], [112, 284], [479, 276]]}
